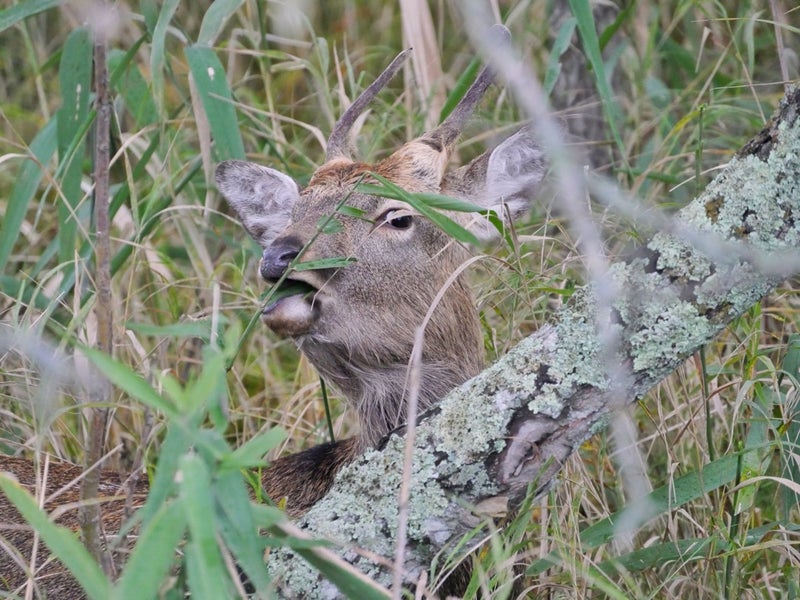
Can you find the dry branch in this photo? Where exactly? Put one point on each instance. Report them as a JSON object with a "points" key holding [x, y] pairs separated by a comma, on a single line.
{"points": [[101, 393], [517, 422]]}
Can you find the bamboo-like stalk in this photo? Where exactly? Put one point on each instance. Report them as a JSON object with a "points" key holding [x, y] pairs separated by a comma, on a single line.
{"points": [[100, 393]]}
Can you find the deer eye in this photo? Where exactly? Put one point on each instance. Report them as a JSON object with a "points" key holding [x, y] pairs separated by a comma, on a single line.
{"points": [[397, 219]]}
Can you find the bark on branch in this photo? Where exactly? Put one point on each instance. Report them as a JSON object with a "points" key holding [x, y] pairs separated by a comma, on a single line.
{"points": [[518, 421]]}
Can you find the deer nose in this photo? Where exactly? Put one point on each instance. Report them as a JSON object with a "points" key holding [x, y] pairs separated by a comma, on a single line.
{"points": [[277, 256]]}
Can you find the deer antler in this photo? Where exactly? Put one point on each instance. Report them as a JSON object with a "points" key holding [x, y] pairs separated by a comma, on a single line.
{"points": [[337, 142], [447, 132], [421, 163]]}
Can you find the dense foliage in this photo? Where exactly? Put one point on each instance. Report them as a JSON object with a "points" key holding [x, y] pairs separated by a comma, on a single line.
{"points": [[676, 86]]}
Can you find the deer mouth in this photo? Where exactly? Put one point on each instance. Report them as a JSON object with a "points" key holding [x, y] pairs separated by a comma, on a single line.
{"points": [[292, 310]]}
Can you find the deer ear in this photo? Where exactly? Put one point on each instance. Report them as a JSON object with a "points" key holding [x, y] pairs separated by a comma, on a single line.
{"points": [[515, 171], [262, 197], [503, 180]]}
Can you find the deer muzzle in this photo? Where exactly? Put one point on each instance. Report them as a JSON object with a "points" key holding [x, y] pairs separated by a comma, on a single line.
{"points": [[293, 315], [291, 310]]}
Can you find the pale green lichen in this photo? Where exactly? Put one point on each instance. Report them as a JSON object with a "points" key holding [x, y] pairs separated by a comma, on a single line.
{"points": [[360, 511], [470, 425], [662, 327], [572, 356], [679, 258], [755, 202], [735, 288], [674, 331]]}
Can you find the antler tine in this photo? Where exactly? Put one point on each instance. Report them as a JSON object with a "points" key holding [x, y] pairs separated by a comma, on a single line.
{"points": [[337, 142], [447, 132]]}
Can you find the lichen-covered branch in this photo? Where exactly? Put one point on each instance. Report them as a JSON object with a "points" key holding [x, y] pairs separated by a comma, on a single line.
{"points": [[518, 421]]}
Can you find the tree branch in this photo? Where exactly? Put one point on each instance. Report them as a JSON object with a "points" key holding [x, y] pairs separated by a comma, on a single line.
{"points": [[517, 422]]}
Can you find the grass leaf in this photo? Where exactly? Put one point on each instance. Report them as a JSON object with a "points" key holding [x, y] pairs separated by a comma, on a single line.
{"points": [[237, 524], [217, 100], [129, 83], [680, 491], [582, 10], [23, 10], [154, 553], [214, 20], [251, 453], [206, 567], [443, 222], [30, 174], [158, 61], [465, 80], [129, 381], [75, 79], [337, 262], [200, 329], [560, 45]]}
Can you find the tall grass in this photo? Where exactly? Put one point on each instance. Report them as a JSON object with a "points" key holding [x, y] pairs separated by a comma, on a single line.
{"points": [[679, 86]]}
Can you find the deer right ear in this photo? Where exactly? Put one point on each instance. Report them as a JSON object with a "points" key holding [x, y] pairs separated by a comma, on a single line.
{"points": [[262, 197]]}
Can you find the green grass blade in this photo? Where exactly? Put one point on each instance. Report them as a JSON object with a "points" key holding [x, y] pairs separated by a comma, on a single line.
{"points": [[206, 567], [61, 541], [609, 32], [437, 201], [656, 556], [582, 11], [560, 45], [23, 10], [153, 555], [176, 443], [215, 19], [217, 100], [336, 262], [130, 84], [30, 174], [238, 527], [251, 453], [121, 195], [28, 294], [130, 382], [200, 329], [460, 88], [75, 78], [443, 222], [350, 581], [686, 550], [682, 490], [158, 51]]}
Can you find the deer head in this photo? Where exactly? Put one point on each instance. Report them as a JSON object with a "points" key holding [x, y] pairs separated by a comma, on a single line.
{"points": [[357, 323]]}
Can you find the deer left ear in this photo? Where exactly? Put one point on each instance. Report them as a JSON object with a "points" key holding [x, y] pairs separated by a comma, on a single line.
{"points": [[514, 174], [504, 180]]}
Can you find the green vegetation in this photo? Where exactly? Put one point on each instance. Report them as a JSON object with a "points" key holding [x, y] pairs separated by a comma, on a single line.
{"points": [[682, 84]]}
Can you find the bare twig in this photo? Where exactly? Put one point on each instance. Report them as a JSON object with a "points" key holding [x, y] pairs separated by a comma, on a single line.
{"points": [[777, 22], [100, 393], [408, 458]]}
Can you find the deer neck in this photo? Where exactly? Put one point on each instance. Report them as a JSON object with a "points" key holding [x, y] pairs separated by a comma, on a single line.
{"points": [[378, 388]]}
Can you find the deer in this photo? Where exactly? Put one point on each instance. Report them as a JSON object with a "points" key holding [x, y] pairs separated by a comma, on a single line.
{"points": [[356, 323]]}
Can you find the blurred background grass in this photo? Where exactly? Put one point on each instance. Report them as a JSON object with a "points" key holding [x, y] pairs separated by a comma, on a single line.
{"points": [[691, 82]]}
